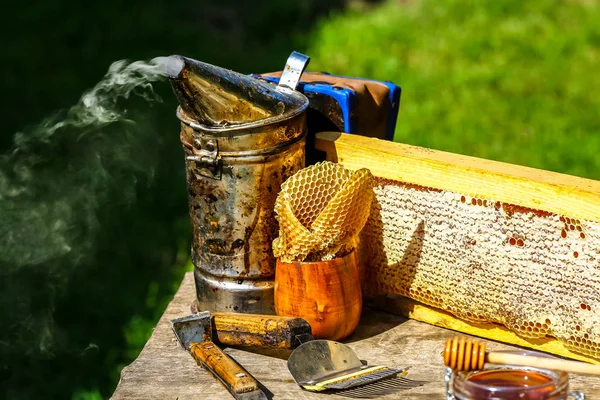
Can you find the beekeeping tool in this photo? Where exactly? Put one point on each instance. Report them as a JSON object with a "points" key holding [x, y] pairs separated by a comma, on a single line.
{"points": [[194, 333], [242, 138], [321, 365], [265, 331]]}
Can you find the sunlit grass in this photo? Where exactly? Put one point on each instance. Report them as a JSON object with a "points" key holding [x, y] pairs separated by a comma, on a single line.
{"points": [[507, 80]]}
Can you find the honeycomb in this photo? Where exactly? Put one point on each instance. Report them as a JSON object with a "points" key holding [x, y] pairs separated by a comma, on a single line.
{"points": [[535, 272], [321, 210]]}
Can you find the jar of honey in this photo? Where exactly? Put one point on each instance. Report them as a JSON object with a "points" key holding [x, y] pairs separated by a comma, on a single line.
{"points": [[507, 382]]}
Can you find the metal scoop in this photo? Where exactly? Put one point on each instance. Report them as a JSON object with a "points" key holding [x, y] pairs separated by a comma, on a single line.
{"points": [[321, 365]]}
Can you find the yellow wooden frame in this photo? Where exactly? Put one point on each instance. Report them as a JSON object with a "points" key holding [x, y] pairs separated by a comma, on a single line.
{"points": [[492, 180]]}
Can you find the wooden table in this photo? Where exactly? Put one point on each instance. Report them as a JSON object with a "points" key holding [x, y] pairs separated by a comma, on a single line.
{"points": [[163, 370]]}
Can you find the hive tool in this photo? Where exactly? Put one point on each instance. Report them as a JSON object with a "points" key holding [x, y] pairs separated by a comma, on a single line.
{"points": [[194, 333]]}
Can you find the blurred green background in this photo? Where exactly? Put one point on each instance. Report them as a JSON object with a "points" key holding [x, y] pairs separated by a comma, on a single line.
{"points": [[507, 80]]}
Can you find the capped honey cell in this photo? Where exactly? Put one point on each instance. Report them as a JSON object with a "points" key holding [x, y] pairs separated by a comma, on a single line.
{"points": [[526, 269]]}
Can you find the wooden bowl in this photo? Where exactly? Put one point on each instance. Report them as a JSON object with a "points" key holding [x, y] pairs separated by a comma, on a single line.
{"points": [[327, 294]]}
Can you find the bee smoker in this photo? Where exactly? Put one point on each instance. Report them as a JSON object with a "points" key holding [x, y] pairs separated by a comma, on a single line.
{"points": [[242, 138]]}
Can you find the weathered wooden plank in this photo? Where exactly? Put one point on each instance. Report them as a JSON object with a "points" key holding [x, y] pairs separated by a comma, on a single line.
{"points": [[165, 371]]}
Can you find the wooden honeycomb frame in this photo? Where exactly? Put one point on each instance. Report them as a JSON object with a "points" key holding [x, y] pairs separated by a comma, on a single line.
{"points": [[499, 203]]}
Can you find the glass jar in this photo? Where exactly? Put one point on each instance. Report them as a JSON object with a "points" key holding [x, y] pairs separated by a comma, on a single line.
{"points": [[507, 382]]}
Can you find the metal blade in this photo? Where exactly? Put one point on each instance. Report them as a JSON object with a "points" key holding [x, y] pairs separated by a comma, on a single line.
{"points": [[317, 360], [193, 328]]}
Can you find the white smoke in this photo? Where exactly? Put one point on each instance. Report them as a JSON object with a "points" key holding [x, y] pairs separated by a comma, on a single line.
{"points": [[26, 217], [98, 106], [54, 181]]}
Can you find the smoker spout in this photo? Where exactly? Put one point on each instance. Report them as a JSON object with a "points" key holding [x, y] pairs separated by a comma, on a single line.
{"points": [[217, 97], [173, 65]]}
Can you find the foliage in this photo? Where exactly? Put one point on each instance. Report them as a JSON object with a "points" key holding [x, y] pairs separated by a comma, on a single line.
{"points": [[508, 80]]}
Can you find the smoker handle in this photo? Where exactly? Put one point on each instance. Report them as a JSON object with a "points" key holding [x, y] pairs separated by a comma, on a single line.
{"points": [[266, 331], [294, 68], [235, 378]]}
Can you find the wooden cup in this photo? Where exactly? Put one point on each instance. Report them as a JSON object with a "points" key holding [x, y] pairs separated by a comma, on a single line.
{"points": [[327, 294]]}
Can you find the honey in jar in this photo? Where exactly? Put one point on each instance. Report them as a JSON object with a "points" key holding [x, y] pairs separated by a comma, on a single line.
{"points": [[508, 383], [515, 383]]}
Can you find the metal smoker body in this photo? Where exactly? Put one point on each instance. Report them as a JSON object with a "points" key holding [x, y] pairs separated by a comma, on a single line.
{"points": [[234, 173]]}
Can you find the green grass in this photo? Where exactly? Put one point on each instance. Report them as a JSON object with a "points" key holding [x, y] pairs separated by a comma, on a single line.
{"points": [[507, 80]]}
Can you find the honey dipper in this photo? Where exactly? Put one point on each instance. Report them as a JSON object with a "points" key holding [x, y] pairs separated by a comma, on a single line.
{"points": [[463, 354]]}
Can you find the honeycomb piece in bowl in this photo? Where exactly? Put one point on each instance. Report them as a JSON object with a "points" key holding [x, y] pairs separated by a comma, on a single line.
{"points": [[321, 210]]}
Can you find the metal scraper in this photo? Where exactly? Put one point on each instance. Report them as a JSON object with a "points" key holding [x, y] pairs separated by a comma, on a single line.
{"points": [[194, 333]]}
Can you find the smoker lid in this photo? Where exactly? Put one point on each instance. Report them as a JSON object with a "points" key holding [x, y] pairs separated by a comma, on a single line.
{"points": [[217, 98]]}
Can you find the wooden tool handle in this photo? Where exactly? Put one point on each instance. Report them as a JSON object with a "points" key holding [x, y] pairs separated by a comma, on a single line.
{"points": [[235, 378], [270, 331], [543, 362]]}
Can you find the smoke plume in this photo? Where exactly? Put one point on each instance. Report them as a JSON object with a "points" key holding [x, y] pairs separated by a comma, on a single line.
{"points": [[54, 180]]}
